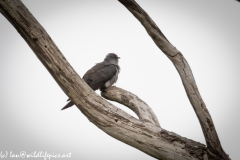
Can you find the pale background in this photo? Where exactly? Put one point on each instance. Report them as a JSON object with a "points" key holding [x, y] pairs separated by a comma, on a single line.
{"points": [[206, 32]]}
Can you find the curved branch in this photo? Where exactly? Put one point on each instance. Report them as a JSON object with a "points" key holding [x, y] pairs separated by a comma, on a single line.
{"points": [[143, 111], [213, 144], [146, 137]]}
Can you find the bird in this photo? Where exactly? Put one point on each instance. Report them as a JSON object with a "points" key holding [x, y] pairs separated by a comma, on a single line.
{"points": [[102, 75]]}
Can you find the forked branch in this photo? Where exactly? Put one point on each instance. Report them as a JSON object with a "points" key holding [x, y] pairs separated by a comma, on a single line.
{"points": [[147, 137], [213, 144]]}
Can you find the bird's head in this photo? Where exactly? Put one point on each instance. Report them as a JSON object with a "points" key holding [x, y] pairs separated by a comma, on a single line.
{"points": [[112, 58]]}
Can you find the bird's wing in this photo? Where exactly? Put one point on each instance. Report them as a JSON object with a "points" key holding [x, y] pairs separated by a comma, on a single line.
{"points": [[99, 74]]}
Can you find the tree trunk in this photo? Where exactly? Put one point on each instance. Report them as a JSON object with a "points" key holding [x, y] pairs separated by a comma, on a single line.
{"points": [[144, 133]]}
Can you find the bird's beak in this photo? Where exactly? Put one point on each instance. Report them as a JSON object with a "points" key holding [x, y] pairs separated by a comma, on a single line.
{"points": [[118, 57]]}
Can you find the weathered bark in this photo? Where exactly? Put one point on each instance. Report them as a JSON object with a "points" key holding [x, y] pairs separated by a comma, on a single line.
{"points": [[213, 144], [143, 111], [144, 134]]}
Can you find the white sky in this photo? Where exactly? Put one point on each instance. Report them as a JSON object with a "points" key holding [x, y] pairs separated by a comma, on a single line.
{"points": [[206, 32]]}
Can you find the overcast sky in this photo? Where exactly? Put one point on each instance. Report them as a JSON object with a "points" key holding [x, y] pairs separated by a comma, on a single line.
{"points": [[206, 32]]}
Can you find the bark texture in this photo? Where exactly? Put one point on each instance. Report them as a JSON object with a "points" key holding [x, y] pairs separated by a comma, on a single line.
{"points": [[213, 144], [143, 111], [144, 133]]}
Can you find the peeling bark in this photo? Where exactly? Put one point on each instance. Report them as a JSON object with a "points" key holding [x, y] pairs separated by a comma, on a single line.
{"points": [[144, 133]]}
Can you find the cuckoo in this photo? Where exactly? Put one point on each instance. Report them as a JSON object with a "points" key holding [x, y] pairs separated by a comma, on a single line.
{"points": [[102, 75]]}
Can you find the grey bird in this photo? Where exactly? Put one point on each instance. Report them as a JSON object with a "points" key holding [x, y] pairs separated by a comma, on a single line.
{"points": [[102, 75]]}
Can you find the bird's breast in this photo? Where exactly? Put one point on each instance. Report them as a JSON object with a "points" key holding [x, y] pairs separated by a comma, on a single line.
{"points": [[112, 80]]}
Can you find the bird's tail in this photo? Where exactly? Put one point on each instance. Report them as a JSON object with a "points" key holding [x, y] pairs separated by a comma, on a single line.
{"points": [[69, 104]]}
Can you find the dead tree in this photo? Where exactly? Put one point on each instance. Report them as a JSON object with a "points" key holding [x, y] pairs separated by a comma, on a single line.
{"points": [[144, 133]]}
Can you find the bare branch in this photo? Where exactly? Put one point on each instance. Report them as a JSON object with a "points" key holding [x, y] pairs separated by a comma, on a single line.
{"points": [[183, 68], [146, 137], [143, 111]]}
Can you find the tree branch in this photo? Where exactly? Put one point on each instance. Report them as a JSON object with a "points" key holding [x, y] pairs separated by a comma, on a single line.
{"points": [[143, 111], [213, 144], [146, 137]]}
